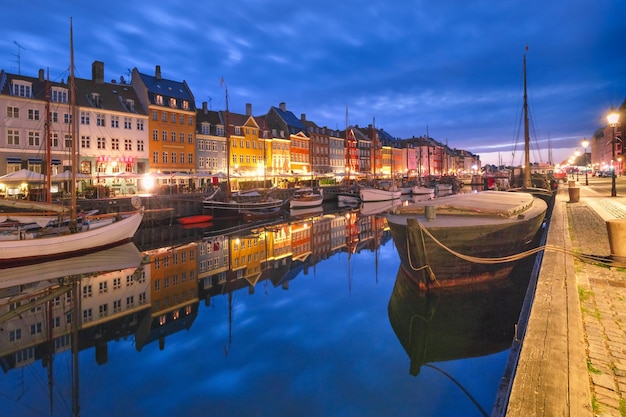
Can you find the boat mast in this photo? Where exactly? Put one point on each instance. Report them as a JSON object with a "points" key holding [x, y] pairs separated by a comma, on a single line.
{"points": [[526, 134], [48, 136], [227, 133], [74, 136]]}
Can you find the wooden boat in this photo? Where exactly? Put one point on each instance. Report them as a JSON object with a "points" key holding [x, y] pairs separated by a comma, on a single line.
{"points": [[72, 238], [442, 242], [235, 205], [199, 218], [306, 197]]}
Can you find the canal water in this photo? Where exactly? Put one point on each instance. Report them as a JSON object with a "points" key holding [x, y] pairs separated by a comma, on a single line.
{"points": [[308, 315]]}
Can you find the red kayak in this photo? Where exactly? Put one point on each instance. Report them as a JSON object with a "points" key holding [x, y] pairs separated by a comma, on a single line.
{"points": [[200, 218]]}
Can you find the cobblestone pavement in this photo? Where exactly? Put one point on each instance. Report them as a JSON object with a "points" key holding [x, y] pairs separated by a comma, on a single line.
{"points": [[602, 292]]}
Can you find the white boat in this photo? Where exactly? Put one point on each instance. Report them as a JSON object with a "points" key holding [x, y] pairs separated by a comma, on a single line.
{"points": [[419, 190], [443, 242], [372, 194], [38, 245], [306, 197]]}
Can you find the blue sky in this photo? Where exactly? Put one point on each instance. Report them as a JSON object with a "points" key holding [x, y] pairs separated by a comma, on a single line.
{"points": [[451, 68]]}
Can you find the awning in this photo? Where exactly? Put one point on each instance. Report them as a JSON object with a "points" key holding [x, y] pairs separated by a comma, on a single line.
{"points": [[34, 160], [14, 160]]}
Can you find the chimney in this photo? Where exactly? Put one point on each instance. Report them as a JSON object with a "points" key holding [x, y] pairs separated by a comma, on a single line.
{"points": [[41, 75], [157, 73], [303, 117], [248, 109], [204, 107], [97, 72], [283, 106]]}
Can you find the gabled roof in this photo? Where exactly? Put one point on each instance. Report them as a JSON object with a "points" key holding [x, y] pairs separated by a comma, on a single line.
{"points": [[168, 89], [208, 116], [111, 96], [293, 123]]}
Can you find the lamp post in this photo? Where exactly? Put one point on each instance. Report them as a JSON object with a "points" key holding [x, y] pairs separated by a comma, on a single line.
{"points": [[577, 153], [613, 119], [584, 144]]}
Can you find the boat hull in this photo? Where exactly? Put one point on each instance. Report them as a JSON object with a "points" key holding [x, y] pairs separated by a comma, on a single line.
{"points": [[238, 209], [40, 249], [431, 264], [201, 218], [377, 194]]}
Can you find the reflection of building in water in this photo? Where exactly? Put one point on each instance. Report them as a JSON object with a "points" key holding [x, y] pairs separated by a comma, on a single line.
{"points": [[213, 260], [174, 292], [301, 240], [37, 317]]}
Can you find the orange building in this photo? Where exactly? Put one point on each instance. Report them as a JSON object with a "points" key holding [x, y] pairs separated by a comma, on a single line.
{"points": [[171, 121]]}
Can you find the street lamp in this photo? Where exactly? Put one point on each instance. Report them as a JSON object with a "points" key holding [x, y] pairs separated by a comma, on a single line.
{"points": [[584, 144], [613, 119]]}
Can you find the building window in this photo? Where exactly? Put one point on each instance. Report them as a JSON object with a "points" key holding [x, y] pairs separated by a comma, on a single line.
{"points": [[115, 144], [140, 145], [13, 112], [128, 145], [128, 123], [115, 121], [155, 115], [100, 120], [139, 124], [85, 142], [159, 99], [13, 137], [22, 89], [33, 138], [102, 144], [155, 157], [155, 135], [164, 116], [173, 105], [84, 118], [165, 157], [33, 114], [164, 136]]}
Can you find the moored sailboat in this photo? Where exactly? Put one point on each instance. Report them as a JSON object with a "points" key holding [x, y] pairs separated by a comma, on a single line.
{"points": [[241, 205], [465, 238], [70, 238]]}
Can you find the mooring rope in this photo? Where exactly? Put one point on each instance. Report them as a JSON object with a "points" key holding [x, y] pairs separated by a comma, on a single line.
{"points": [[587, 258]]}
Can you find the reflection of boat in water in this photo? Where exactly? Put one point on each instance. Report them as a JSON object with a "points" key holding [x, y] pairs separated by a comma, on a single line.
{"points": [[458, 323], [113, 259], [306, 211], [441, 242], [376, 207]]}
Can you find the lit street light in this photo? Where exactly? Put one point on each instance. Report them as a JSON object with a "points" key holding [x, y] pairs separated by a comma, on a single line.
{"points": [[584, 144], [613, 119]]}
